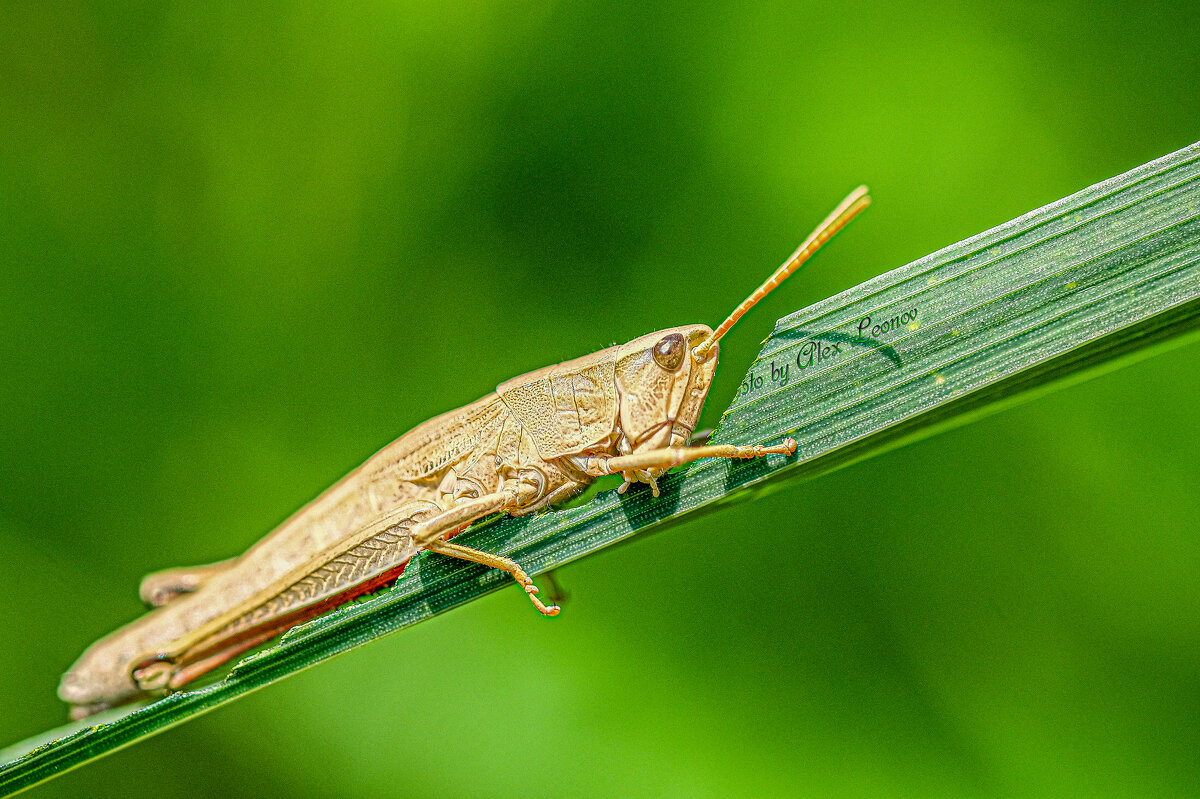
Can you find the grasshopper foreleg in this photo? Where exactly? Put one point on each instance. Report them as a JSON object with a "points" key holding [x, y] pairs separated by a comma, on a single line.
{"points": [[159, 588], [645, 467]]}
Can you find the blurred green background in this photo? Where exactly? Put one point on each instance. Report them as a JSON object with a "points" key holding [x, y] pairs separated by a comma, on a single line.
{"points": [[246, 245]]}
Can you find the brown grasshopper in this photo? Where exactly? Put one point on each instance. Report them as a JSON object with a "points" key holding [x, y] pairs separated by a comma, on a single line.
{"points": [[537, 440]]}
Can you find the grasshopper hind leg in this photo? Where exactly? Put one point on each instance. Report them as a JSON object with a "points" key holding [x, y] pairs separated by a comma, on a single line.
{"points": [[159, 588], [164, 677]]}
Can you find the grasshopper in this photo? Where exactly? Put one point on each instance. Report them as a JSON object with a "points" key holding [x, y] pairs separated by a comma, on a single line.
{"points": [[537, 440]]}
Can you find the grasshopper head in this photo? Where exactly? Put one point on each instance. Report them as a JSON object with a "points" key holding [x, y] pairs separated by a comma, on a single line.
{"points": [[661, 384], [663, 378]]}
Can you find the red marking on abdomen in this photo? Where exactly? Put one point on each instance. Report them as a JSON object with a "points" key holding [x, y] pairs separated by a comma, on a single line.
{"points": [[205, 657]]}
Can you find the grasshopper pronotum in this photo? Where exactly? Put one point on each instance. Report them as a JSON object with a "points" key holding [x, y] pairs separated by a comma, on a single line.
{"points": [[536, 440]]}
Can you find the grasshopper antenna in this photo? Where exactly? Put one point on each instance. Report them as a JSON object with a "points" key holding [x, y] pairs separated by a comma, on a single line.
{"points": [[852, 206]]}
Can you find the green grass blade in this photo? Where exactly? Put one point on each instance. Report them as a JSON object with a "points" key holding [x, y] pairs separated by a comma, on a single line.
{"points": [[1081, 285]]}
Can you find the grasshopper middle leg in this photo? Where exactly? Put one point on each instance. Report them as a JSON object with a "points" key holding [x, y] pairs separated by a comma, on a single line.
{"points": [[159, 588], [430, 534], [496, 562]]}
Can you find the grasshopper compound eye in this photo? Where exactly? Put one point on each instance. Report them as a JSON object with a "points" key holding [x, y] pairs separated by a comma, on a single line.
{"points": [[668, 353]]}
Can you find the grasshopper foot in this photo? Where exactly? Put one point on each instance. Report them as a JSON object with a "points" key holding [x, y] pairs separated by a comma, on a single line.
{"points": [[532, 591], [785, 447], [546, 610], [154, 677]]}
